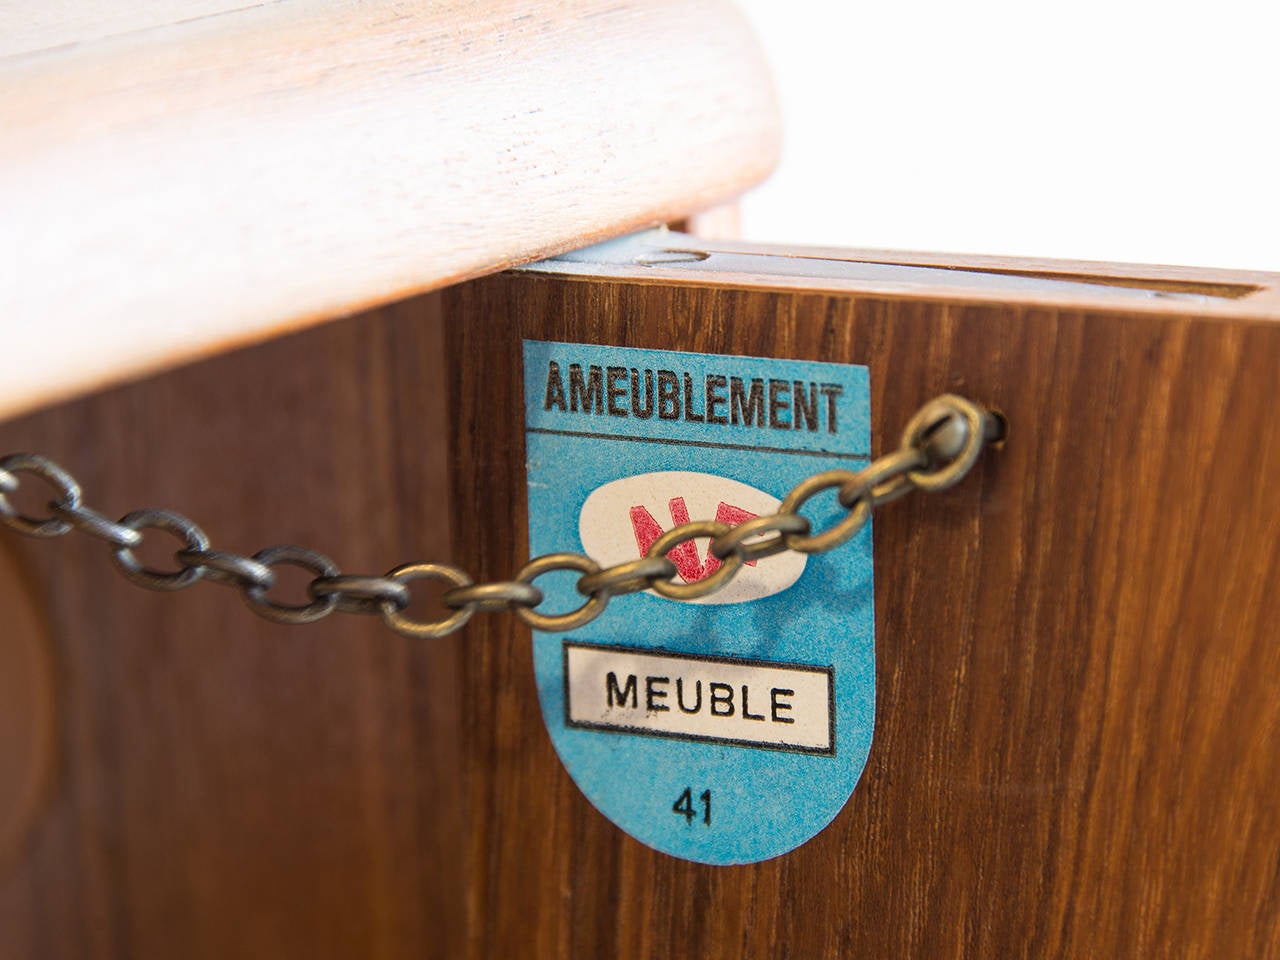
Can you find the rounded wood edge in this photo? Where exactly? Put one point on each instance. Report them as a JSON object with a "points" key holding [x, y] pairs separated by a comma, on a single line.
{"points": [[173, 193]]}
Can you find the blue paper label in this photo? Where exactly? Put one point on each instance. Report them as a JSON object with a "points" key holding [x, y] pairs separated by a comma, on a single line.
{"points": [[732, 728]]}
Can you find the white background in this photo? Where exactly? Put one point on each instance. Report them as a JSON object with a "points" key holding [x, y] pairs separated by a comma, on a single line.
{"points": [[1106, 131]]}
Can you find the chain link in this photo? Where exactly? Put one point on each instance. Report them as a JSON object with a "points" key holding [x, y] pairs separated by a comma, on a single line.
{"points": [[939, 446]]}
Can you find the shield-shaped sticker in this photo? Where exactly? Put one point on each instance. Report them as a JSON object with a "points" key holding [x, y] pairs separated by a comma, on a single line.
{"points": [[732, 728]]}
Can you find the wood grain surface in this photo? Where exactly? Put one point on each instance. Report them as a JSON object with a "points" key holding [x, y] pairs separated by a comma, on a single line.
{"points": [[180, 178], [228, 787], [1078, 677], [1078, 731], [27, 709]]}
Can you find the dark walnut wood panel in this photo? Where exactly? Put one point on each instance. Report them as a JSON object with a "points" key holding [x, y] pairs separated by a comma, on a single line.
{"points": [[1077, 747], [27, 710], [225, 786], [1078, 677]]}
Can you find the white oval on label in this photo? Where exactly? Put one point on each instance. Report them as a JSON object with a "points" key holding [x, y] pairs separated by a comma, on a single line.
{"points": [[620, 519]]}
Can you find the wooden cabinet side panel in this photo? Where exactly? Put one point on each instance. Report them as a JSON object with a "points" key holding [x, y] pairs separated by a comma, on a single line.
{"points": [[1078, 686], [223, 786]]}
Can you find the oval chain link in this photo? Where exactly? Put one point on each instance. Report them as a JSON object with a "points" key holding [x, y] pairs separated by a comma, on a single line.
{"points": [[128, 563], [402, 623], [939, 446], [629, 577], [96, 525], [287, 555], [358, 594], [557, 623], [229, 568], [493, 597], [710, 583], [11, 469], [779, 524]]}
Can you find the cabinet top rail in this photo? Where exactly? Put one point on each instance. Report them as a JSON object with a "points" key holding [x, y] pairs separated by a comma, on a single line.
{"points": [[181, 178]]}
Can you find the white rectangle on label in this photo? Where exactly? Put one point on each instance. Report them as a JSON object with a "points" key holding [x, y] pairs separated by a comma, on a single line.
{"points": [[780, 706]]}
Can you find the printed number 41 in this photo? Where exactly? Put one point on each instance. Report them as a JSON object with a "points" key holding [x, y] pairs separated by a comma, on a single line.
{"points": [[684, 806]]}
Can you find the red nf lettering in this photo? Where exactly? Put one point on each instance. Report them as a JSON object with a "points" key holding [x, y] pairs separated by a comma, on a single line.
{"points": [[689, 565]]}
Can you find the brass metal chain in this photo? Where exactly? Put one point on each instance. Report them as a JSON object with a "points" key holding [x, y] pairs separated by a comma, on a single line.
{"points": [[939, 446]]}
